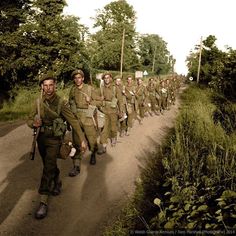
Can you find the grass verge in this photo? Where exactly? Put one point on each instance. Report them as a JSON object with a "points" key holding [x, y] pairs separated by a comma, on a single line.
{"points": [[189, 183]]}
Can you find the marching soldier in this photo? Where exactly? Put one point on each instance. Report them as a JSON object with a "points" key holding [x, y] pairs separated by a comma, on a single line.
{"points": [[164, 95], [131, 104], [141, 96], [48, 117], [151, 88], [110, 109], [83, 105], [122, 105], [158, 95]]}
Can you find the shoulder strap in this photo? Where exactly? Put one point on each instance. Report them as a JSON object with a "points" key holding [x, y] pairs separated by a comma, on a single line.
{"points": [[59, 106], [90, 91], [114, 91]]}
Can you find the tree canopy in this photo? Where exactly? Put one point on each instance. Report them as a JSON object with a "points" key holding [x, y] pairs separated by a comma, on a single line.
{"points": [[154, 55], [217, 67], [35, 37]]}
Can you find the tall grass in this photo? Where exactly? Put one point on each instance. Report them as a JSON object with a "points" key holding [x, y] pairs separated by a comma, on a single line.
{"points": [[19, 107], [190, 182]]}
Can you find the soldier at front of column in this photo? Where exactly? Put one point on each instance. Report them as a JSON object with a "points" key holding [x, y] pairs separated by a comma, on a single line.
{"points": [[48, 118]]}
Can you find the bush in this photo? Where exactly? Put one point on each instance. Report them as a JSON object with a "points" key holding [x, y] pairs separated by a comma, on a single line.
{"points": [[21, 104], [189, 183]]}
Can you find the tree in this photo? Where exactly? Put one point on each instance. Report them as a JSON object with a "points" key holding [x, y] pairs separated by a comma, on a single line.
{"points": [[154, 55], [51, 40], [47, 40], [112, 20], [217, 67], [13, 14]]}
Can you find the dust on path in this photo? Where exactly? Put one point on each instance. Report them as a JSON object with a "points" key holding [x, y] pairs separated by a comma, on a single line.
{"points": [[88, 201]]}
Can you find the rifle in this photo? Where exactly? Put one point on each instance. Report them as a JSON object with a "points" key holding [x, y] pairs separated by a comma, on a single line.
{"points": [[35, 133]]}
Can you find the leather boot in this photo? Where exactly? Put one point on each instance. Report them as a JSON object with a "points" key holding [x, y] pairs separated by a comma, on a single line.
{"points": [[57, 187], [41, 211], [74, 171], [93, 158]]}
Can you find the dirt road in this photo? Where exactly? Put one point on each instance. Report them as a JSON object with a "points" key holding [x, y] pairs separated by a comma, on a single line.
{"points": [[88, 201]]}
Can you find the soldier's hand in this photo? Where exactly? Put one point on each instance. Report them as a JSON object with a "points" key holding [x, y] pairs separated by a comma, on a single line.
{"points": [[131, 93], [88, 99], [83, 146], [37, 122]]}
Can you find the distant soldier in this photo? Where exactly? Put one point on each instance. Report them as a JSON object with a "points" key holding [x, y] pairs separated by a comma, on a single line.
{"points": [[141, 96], [50, 124], [122, 114], [151, 88], [158, 95], [110, 109], [81, 99], [129, 92], [164, 95]]}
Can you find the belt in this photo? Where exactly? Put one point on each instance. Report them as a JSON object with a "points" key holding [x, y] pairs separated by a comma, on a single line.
{"points": [[44, 128], [152, 93], [47, 126], [82, 110]]}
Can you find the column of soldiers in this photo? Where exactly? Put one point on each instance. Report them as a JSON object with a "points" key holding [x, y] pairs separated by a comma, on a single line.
{"points": [[120, 101]]}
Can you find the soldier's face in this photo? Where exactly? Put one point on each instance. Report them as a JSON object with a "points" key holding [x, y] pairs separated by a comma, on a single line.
{"points": [[129, 80], [118, 81], [139, 81], [78, 79], [107, 79], [49, 87]]}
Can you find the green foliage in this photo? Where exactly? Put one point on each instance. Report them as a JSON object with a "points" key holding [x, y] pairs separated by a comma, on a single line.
{"points": [[22, 101], [225, 113], [46, 40], [217, 67], [154, 55], [36, 37], [190, 182], [20, 105], [112, 20]]}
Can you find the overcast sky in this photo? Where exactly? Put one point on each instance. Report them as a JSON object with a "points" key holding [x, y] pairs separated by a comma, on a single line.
{"points": [[180, 23]]}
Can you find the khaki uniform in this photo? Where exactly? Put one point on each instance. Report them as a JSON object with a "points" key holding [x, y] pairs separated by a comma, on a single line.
{"points": [[122, 106], [80, 107], [164, 95], [151, 88], [132, 105], [141, 96], [110, 109], [48, 143], [159, 96]]}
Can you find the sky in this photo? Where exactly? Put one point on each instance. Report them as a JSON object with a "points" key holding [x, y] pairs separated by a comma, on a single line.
{"points": [[180, 23]]}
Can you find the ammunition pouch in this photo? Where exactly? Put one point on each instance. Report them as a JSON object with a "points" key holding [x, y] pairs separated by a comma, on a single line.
{"points": [[100, 119], [90, 111], [59, 127], [130, 108], [114, 102], [73, 106]]}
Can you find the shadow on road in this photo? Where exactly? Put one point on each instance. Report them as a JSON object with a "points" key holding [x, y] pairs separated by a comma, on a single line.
{"points": [[92, 202], [18, 180]]}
